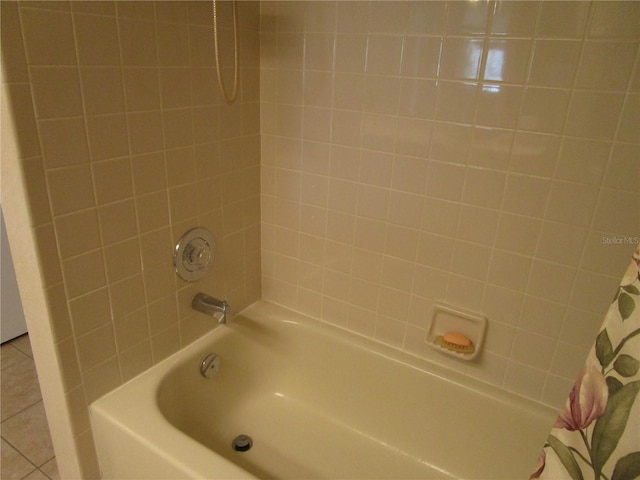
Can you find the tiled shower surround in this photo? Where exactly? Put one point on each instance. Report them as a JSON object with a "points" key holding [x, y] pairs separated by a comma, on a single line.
{"points": [[482, 154], [382, 156]]}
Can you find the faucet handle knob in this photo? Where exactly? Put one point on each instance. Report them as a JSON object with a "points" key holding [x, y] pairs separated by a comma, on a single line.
{"points": [[197, 254]]}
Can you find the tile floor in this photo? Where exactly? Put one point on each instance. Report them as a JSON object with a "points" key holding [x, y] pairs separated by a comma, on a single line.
{"points": [[27, 452]]}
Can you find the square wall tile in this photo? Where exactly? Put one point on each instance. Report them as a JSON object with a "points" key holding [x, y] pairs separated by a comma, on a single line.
{"points": [[484, 187], [491, 148], [426, 18], [434, 251], [350, 53], [594, 114], [96, 347], [379, 132], [507, 60], [319, 48], [141, 88], [375, 168], [466, 18], [616, 20], [77, 232], [384, 54], [509, 270], [122, 260], [173, 44], [499, 105], [450, 143], [418, 98], [572, 203], [514, 19], [48, 37], [90, 311], [382, 94], [593, 292], [553, 23], [551, 281], [145, 132], [352, 16], [97, 40], [534, 154], [421, 56], [445, 181], [465, 292], [606, 65], [397, 273], [107, 136], [470, 260], [477, 224], [84, 273], [56, 91], [127, 295], [113, 180], [117, 221], [405, 209], [440, 216], [103, 90], [544, 110], [612, 212], [460, 58], [70, 189], [554, 63], [137, 39], [526, 195], [388, 17], [456, 102], [502, 305], [64, 142], [321, 16], [622, 172], [409, 174], [561, 243], [541, 316], [582, 160], [531, 349]]}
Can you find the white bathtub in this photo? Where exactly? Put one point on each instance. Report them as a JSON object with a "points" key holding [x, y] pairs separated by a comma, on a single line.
{"points": [[319, 403]]}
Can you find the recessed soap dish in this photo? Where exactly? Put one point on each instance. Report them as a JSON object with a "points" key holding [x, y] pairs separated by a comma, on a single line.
{"points": [[446, 320]]}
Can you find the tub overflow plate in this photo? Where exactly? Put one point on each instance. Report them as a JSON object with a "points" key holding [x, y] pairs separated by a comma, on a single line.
{"points": [[210, 365]]}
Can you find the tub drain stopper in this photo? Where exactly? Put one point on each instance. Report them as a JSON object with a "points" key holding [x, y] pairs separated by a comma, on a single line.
{"points": [[242, 443]]}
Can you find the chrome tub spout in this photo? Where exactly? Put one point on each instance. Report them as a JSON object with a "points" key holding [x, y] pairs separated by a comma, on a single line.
{"points": [[211, 306]]}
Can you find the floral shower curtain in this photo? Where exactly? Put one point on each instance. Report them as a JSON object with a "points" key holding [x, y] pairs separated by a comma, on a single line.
{"points": [[597, 435]]}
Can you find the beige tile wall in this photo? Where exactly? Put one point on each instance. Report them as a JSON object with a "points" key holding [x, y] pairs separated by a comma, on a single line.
{"points": [[126, 144], [484, 154]]}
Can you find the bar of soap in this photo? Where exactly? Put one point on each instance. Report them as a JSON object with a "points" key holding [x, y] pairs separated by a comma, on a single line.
{"points": [[457, 339]]}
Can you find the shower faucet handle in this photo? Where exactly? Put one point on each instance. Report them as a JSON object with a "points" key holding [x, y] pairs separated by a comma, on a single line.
{"points": [[193, 254], [197, 254]]}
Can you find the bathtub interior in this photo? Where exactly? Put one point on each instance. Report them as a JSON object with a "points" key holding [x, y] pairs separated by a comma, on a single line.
{"points": [[322, 403]]}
